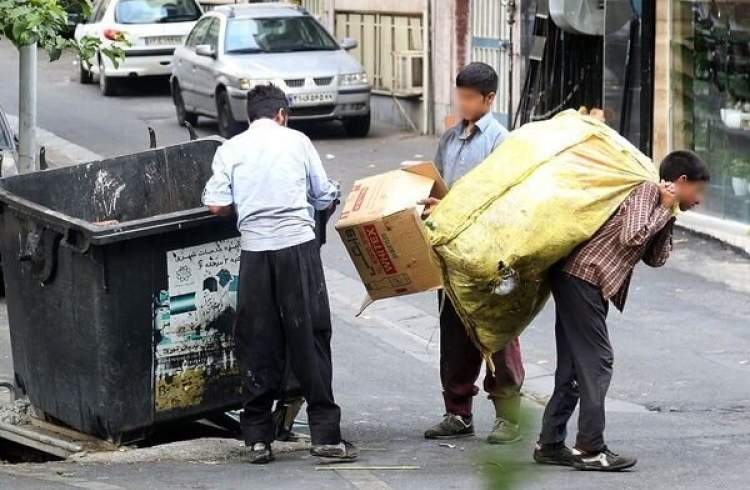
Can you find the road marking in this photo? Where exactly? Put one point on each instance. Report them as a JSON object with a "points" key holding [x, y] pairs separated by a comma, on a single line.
{"points": [[54, 478]]}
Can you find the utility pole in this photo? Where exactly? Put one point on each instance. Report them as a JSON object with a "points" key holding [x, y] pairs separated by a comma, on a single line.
{"points": [[27, 109], [510, 16]]}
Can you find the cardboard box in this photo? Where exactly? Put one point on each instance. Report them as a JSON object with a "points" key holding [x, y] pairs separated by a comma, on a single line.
{"points": [[381, 227]]}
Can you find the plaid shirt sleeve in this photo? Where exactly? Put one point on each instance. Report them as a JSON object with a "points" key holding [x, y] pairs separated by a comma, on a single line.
{"points": [[660, 247], [645, 217]]}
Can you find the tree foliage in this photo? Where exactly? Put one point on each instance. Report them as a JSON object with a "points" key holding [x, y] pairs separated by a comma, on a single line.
{"points": [[24, 22]]}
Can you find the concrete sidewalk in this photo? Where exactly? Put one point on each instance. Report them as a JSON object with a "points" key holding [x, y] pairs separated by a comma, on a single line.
{"points": [[731, 233], [59, 152]]}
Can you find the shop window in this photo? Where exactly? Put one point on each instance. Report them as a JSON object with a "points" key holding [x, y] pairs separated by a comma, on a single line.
{"points": [[710, 85]]}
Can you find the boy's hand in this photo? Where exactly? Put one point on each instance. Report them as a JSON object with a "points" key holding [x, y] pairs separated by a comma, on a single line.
{"points": [[667, 194], [429, 205]]}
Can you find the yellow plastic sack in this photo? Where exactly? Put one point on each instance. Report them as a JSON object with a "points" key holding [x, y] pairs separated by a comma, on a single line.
{"points": [[549, 187]]}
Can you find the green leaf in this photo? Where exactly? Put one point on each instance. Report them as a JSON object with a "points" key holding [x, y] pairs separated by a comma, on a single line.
{"points": [[24, 22], [54, 53]]}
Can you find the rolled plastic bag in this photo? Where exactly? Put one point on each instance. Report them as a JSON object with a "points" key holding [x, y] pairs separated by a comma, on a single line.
{"points": [[548, 188]]}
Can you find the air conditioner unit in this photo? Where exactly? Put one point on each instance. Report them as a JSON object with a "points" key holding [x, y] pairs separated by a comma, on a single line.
{"points": [[590, 17], [407, 73], [578, 16]]}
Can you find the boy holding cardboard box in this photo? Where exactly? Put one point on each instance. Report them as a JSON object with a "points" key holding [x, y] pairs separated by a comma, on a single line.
{"points": [[462, 148]]}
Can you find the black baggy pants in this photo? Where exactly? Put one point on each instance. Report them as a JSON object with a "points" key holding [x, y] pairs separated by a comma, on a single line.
{"points": [[283, 308], [584, 363]]}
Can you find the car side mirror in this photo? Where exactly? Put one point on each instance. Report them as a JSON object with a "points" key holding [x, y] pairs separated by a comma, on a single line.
{"points": [[349, 43], [15, 138], [205, 50]]}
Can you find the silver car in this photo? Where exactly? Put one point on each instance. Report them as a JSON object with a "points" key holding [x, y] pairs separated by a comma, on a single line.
{"points": [[234, 48], [8, 147]]}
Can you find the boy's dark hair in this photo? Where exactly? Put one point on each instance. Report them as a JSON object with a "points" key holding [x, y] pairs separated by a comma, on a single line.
{"points": [[478, 76], [683, 162], [265, 101]]}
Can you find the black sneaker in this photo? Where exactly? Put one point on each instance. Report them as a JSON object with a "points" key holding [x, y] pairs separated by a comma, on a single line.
{"points": [[554, 454], [342, 452], [451, 427], [260, 453], [604, 460]]}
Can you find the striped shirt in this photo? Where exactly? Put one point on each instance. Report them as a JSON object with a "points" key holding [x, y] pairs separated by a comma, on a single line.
{"points": [[640, 229], [460, 151]]}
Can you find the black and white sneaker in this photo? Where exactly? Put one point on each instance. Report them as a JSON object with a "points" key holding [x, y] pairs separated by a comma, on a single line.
{"points": [[261, 453], [555, 454], [604, 460], [451, 427], [342, 452]]}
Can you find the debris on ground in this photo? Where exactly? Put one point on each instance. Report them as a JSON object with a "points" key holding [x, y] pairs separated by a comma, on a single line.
{"points": [[207, 450], [16, 412]]}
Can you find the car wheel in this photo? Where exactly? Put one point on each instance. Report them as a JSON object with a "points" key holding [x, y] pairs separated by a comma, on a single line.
{"points": [[183, 115], [84, 74], [228, 127], [107, 85], [357, 127]]}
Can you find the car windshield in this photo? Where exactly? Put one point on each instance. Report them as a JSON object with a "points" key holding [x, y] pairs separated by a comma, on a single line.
{"points": [[156, 11], [277, 35]]}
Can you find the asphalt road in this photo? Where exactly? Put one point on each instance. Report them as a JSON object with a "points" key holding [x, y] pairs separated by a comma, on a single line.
{"points": [[680, 397]]}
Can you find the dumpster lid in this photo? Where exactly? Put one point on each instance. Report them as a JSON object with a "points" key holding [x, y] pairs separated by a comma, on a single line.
{"points": [[149, 192]]}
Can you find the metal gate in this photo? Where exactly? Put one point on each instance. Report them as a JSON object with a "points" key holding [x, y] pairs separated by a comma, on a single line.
{"points": [[490, 38], [383, 39], [316, 8]]}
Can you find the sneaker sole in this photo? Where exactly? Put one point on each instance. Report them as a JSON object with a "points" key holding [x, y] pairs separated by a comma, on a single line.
{"points": [[333, 460], [443, 438], [500, 442], [554, 462], [263, 461], [581, 467]]}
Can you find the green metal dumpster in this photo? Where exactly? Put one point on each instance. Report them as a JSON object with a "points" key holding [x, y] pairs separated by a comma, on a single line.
{"points": [[121, 291]]}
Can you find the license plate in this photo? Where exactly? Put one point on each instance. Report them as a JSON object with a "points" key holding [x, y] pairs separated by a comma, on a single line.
{"points": [[163, 41], [311, 99]]}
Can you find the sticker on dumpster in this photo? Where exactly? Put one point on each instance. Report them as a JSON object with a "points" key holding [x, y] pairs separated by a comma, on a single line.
{"points": [[193, 323]]}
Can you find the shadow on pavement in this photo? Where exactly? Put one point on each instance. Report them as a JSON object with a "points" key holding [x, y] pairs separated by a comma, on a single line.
{"points": [[143, 87]]}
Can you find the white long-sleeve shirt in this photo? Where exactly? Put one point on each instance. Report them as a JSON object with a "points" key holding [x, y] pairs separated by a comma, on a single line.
{"points": [[275, 179]]}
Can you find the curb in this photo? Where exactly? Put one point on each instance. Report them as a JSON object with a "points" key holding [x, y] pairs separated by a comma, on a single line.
{"points": [[67, 151], [731, 234]]}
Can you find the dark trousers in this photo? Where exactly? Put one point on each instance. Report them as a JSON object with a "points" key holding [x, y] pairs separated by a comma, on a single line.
{"points": [[283, 308], [461, 363], [584, 363]]}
